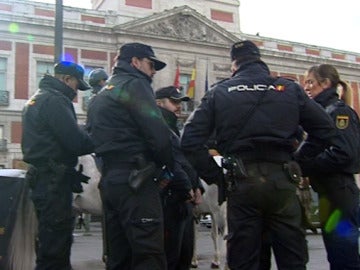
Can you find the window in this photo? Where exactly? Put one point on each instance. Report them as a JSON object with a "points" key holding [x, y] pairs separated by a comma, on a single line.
{"points": [[43, 68], [4, 93], [3, 64], [3, 142], [187, 107]]}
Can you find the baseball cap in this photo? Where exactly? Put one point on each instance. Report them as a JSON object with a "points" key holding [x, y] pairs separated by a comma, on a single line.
{"points": [[130, 50], [72, 69], [244, 48], [97, 75], [170, 92]]}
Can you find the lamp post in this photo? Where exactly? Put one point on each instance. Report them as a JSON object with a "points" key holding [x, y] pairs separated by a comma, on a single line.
{"points": [[58, 31]]}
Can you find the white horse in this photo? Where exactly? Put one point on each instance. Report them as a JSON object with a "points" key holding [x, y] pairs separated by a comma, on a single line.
{"points": [[218, 225], [89, 201], [20, 254]]}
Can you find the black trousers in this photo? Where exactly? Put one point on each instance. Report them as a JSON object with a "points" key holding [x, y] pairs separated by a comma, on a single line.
{"points": [[52, 197], [179, 234], [339, 212], [265, 201], [134, 223]]}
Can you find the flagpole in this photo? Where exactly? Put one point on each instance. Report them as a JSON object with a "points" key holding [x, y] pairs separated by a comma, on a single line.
{"points": [[207, 77]]}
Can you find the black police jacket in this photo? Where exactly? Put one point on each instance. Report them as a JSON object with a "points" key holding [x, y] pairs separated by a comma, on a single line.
{"points": [[50, 129], [123, 119], [185, 176], [347, 124], [253, 116]]}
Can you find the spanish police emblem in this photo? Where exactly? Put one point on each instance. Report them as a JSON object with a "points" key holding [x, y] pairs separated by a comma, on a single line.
{"points": [[342, 121], [280, 87]]}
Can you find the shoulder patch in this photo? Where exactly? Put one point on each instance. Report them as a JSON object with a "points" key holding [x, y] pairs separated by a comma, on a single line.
{"points": [[280, 87], [109, 87], [31, 102], [342, 121]]}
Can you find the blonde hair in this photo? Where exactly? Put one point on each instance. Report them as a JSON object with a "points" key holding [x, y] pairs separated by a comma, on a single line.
{"points": [[345, 92]]}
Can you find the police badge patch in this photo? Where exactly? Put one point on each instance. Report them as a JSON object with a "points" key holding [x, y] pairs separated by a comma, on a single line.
{"points": [[342, 121]]}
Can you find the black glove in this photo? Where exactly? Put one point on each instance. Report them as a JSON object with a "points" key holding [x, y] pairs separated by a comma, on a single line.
{"points": [[79, 178], [83, 178]]}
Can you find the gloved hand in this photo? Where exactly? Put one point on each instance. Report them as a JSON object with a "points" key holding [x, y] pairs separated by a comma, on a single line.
{"points": [[83, 178], [79, 178]]}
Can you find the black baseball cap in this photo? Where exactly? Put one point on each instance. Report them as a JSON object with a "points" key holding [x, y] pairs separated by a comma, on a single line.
{"points": [[244, 49], [72, 69], [170, 92], [130, 50]]}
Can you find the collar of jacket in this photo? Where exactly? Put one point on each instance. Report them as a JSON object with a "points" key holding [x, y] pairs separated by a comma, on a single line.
{"points": [[170, 119], [96, 89], [327, 97], [252, 67], [125, 67], [49, 82]]}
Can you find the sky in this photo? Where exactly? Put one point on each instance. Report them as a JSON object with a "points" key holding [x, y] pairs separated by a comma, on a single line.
{"points": [[327, 23]]}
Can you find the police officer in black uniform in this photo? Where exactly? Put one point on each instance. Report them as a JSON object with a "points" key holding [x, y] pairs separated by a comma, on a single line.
{"points": [[133, 140], [51, 144], [97, 80], [255, 118], [335, 184], [178, 209]]}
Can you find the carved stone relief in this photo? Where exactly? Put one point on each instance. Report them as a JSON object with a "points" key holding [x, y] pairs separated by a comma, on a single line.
{"points": [[183, 26]]}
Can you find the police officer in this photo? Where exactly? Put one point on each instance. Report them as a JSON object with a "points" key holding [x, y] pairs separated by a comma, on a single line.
{"points": [[97, 79], [178, 217], [51, 144], [132, 138], [335, 184], [255, 118]]}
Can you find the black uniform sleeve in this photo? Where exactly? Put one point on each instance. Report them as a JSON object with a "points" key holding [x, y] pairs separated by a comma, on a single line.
{"points": [[62, 122], [181, 179], [323, 151], [200, 126], [146, 114]]}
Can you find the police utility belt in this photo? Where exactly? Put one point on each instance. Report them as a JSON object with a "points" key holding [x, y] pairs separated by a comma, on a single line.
{"points": [[56, 171], [235, 170]]}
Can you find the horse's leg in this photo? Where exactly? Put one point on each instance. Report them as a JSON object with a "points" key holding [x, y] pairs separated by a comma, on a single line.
{"points": [[194, 261], [215, 264]]}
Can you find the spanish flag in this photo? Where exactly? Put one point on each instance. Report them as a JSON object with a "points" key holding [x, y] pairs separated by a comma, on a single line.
{"points": [[177, 77], [191, 88]]}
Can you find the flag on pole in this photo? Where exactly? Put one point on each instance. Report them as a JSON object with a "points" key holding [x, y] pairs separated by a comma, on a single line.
{"points": [[206, 79], [191, 88], [177, 77]]}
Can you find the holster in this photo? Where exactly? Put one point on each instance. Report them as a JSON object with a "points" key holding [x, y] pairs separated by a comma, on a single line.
{"points": [[144, 170], [294, 172], [235, 171], [56, 173], [31, 176], [61, 171]]}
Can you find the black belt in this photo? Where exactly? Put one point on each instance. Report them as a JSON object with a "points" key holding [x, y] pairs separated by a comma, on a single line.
{"points": [[271, 164], [267, 156]]}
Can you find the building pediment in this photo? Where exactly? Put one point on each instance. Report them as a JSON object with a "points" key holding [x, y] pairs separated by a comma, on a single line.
{"points": [[180, 23]]}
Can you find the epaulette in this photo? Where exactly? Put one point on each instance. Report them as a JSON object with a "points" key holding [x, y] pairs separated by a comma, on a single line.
{"points": [[221, 81], [289, 78]]}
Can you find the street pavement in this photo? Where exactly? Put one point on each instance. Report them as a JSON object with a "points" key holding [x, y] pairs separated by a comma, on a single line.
{"points": [[87, 250]]}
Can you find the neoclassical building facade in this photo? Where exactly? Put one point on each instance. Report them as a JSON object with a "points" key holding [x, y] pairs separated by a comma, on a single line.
{"points": [[188, 35]]}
